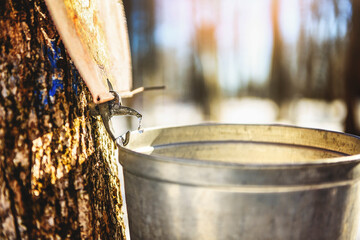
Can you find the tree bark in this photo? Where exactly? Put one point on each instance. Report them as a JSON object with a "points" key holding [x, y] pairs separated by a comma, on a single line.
{"points": [[279, 82], [58, 173], [352, 71]]}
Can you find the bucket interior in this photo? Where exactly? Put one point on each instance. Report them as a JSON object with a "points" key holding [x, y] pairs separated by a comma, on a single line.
{"points": [[259, 144]]}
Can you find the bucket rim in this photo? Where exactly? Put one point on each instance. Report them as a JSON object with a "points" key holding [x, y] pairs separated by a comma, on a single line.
{"points": [[351, 159]]}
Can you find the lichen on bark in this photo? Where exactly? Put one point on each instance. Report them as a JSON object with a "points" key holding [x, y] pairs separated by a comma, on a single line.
{"points": [[58, 174]]}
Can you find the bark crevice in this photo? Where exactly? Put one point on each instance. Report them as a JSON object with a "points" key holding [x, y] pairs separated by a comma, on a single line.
{"points": [[12, 203]]}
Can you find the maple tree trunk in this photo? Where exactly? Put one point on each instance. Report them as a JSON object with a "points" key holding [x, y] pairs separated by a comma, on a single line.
{"points": [[352, 71], [279, 79], [58, 173]]}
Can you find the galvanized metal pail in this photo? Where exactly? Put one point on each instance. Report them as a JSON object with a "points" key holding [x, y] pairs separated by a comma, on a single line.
{"points": [[242, 182]]}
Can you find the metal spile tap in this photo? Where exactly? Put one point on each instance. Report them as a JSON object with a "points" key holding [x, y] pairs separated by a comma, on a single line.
{"points": [[112, 108]]}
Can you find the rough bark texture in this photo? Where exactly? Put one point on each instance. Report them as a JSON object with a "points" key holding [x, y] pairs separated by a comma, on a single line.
{"points": [[58, 174]]}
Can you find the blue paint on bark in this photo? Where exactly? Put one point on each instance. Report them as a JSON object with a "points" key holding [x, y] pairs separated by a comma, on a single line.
{"points": [[54, 54], [75, 81]]}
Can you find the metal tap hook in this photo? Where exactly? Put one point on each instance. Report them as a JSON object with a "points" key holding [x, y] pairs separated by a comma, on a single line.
{"points": [[117, 109], [114, 108]]}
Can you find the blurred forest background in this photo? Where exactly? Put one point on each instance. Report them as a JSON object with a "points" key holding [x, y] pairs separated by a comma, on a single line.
{"points": [[262, 61]]}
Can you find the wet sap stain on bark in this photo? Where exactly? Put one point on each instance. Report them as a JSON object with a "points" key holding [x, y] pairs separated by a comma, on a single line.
{"points": [[58, 175]]}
